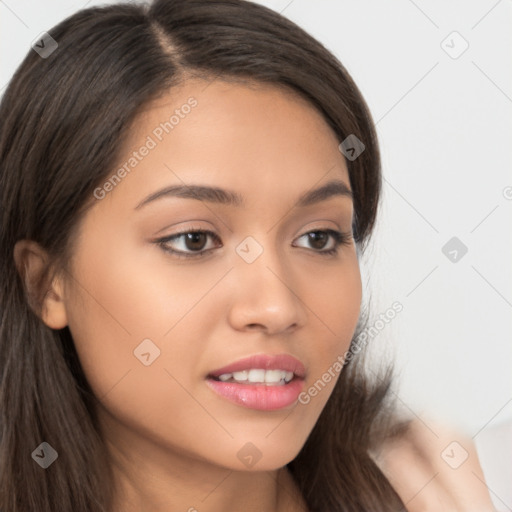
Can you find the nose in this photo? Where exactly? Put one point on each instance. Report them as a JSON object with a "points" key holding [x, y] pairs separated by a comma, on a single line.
{"points": [[267, 295]]}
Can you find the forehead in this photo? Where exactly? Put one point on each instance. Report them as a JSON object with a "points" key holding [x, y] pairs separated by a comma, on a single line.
{"points": [[254, 138]]}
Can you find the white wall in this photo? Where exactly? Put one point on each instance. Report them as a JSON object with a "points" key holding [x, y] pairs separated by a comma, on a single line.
{"points": [[445, 127]]}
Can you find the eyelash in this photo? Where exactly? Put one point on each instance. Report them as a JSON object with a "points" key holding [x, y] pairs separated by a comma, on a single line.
{"points": [[340, 238]]}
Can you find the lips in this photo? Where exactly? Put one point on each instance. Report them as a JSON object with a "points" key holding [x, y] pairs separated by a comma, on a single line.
{"points": [[267, 396], [284, 362]]}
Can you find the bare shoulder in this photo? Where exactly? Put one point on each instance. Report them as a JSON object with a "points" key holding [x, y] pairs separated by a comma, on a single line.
{"points": [[434, 467]]}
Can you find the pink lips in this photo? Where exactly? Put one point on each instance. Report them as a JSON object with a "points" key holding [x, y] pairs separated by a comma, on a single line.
{"points": [[260, 396]]}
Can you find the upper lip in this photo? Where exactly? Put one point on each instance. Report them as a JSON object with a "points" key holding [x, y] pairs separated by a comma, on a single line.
{"points": [[266, 362]]}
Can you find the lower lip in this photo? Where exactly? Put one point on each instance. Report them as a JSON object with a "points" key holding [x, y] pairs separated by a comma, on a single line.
{"points": [[259, 396]]}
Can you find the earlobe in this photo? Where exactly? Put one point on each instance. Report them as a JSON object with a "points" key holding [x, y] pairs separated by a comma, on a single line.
{"points": [[46, 300], [54, 309]]}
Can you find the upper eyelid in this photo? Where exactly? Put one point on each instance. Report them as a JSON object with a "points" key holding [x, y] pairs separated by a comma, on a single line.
{"points": [[192, 228], [174, 236]]}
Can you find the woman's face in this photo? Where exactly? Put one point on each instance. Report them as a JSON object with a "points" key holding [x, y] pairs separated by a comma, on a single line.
{"points": [[151, 326]]}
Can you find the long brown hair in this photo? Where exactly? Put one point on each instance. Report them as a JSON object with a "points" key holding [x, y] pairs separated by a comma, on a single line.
{"points": [[63, 120]]}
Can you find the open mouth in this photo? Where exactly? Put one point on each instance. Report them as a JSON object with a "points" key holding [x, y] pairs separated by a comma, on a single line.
{"points": [[257, 376], [263, 390], [262, 382]]}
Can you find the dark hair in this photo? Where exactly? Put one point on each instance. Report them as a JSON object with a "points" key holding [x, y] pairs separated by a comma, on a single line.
{"points": [[63, 122]]}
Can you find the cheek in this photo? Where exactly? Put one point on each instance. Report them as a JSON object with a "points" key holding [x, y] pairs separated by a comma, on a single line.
{"points": [[127, 319], [338, 310], [337, 307]]}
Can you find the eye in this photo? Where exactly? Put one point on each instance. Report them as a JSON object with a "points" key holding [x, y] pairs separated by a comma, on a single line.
{"points": [[319, 238], [193, 241]]}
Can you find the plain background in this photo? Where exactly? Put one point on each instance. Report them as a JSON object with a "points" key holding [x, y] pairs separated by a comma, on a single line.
{"points": [[445, 128]]}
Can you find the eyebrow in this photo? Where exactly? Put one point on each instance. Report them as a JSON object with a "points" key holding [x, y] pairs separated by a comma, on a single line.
{"points": [[228, 197]]}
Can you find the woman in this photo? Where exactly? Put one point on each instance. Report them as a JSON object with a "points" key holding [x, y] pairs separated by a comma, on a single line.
{"points": [[186, 192]]}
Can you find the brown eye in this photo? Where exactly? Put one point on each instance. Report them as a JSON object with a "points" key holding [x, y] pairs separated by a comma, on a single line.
{"points": [[318, 239], [189, 243], [195, 241]]}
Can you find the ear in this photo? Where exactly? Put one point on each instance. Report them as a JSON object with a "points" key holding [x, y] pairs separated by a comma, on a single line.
{"points": [[47, 301]]}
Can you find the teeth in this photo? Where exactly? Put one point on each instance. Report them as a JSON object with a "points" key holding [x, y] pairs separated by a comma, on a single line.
{"points": [[241, 376], [273, 375], [255, 376], [259, 376]]}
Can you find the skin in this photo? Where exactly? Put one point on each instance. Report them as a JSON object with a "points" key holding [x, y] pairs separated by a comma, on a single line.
{"points": [[173, 440], [435, 467]]}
